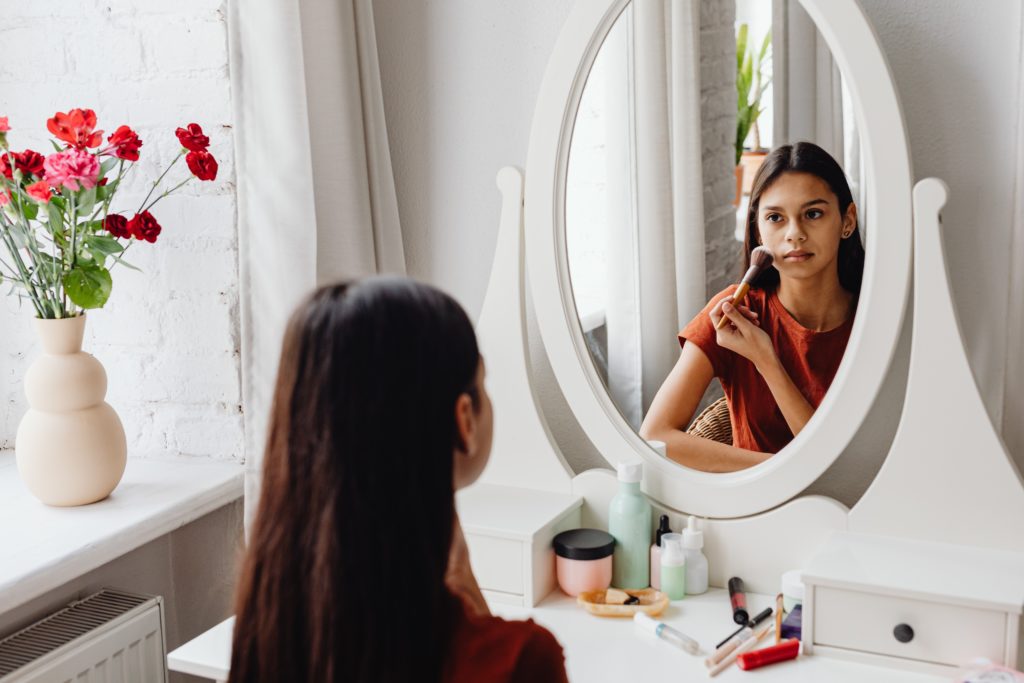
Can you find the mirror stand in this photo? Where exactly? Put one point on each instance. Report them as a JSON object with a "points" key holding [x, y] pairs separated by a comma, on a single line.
{"points": [[947, 504]]}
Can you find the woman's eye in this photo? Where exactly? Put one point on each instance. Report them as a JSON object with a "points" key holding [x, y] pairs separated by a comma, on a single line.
{"points": [[815, 213], [773, 218]]}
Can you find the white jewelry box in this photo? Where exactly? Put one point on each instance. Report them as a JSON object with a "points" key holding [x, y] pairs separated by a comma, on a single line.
{"points": [[913, 604], [509, 532]]}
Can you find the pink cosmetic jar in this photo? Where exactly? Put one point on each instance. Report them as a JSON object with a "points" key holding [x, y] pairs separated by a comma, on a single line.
{"points": [[583, 560]]}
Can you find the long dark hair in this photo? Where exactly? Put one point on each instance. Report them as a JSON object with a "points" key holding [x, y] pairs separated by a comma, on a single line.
{"points": [[344, 577], [806, 157]]}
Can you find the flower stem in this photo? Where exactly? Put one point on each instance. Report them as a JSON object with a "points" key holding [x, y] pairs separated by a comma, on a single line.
{"points": [[167, 193], [157, 182]]}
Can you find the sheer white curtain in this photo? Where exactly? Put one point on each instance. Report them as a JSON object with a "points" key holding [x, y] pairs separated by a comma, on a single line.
{"points": [[810, 100], [316, 195], [656, 244]]}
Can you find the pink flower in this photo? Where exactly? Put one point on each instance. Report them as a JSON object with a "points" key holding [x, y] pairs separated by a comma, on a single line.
{"points": [[4, 125], [5, 198], [73, 168], [39, 191]]}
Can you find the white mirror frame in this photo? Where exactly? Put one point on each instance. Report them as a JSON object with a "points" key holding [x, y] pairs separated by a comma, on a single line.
{"points": [[887, 270]]}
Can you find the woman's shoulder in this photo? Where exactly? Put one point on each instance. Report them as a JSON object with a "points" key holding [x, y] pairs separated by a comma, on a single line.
{"points": [[494, 649]]}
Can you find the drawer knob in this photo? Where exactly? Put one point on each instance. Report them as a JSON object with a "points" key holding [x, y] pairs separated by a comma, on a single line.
{"points": [[903, 633]]}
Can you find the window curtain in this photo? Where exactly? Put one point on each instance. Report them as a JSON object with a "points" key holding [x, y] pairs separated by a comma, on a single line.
{"points": [[656, 241], [810, 100], [316, 194]]}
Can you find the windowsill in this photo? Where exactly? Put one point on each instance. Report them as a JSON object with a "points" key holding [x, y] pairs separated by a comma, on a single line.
{"points": [[42, 548]]}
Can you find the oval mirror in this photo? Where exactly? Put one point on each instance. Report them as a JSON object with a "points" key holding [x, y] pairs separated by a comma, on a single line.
{"points": [[649, 181]]}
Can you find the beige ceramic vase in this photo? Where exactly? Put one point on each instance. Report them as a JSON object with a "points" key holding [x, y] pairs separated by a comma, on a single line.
{"points": [[71, 447]]}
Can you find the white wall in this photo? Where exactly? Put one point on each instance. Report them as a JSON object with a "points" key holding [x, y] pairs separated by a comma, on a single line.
{"points": [[168, 336], [460, 80]]}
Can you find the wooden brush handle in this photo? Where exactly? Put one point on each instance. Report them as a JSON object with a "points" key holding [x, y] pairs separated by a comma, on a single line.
{"points": [[737, 298]]}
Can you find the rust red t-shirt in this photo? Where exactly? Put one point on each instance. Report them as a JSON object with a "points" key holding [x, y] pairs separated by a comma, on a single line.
{"points": [[486, 648], [810, 358]]}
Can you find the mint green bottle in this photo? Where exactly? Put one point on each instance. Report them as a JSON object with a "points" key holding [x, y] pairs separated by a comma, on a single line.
{"points": [[673, 566], [629, 522]]}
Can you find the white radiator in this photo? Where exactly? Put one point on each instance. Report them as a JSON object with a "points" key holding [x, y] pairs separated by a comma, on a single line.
{"points": [[109, 637]]}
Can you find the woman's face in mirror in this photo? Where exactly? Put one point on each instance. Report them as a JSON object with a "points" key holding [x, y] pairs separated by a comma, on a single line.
{"points": [[800, 222]]}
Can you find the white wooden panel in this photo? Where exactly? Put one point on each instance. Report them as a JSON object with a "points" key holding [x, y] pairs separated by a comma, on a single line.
{"points": [[947, 476], [48, 547], [943, 634], [758, 548], [497, 563]]}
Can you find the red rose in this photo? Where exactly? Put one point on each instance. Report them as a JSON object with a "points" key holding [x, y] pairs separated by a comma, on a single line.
{"points": [[202, 164], [76, 128], [192, 138], [117, 225], [27, 162], [125, 143], [144, 227]]}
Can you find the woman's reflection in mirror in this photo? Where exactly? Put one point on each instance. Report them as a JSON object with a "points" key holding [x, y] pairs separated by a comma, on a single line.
{"points": [[780, 351]]}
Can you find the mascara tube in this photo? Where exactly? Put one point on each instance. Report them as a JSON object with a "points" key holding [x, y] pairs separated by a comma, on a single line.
{"points": [[758, 618]]}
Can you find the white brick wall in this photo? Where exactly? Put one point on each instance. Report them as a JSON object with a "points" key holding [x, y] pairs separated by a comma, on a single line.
{"points": [[168, 336], [718, 105]]}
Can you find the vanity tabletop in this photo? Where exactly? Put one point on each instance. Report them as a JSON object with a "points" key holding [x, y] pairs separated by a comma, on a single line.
{"points": [[608, 649], [599, 649]]}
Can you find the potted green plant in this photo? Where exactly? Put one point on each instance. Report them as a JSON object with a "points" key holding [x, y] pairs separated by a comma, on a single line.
{"points": [[750, 86]]}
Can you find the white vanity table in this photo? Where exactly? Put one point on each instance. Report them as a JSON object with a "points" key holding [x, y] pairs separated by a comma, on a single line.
{"points": [[605, 649]]}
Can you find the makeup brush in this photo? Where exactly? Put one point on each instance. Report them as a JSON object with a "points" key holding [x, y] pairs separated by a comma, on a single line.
{"points": [[760, 259]]}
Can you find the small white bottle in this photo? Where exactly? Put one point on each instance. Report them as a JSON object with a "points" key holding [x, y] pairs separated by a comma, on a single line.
{"points": [[696, 563]]}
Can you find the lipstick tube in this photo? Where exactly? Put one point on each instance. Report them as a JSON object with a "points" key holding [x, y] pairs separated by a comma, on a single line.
{"points": [[787, 649], [739, 601]]}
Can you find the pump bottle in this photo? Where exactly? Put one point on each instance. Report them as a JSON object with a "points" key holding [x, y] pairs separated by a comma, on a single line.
{"points": [[696, 562], [629, 522]]}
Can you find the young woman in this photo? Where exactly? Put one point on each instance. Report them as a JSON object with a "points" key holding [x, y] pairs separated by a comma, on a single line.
{"points": [[357, 569], [778, 353]]}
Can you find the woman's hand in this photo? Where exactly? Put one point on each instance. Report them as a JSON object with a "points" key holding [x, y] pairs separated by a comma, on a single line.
{"points": [[743, 334], [459, 578]]}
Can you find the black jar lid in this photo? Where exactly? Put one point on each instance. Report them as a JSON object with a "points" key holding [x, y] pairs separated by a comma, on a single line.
{"points": [[584, 544]]}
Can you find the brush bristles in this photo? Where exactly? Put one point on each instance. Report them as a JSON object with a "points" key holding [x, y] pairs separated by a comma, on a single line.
{"points": [[760, 258]]}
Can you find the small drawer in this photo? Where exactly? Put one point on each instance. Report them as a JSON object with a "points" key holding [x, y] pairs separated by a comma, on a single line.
{"points": [[933, 632], [497, 563]]}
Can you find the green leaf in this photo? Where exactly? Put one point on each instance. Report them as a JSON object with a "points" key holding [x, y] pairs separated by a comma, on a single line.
{"points": [[104, 244], [30, 209], [120, 261], [88, 286], [105, 192], [86, 201], [55, 218], [56, 146], [764, 47], [107, 165], [18, 234]]}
